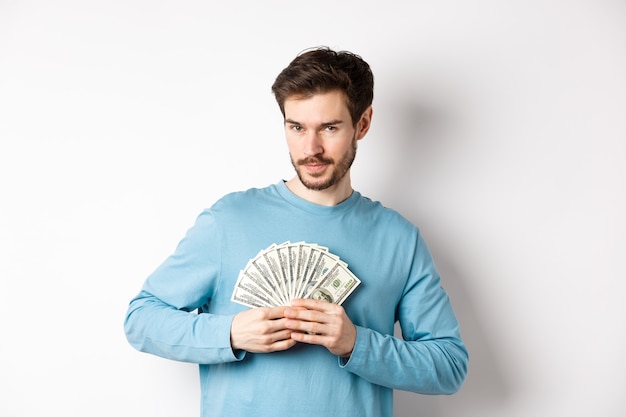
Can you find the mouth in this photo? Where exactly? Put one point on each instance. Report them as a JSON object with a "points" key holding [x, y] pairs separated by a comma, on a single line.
{"points": [[314, 166], [315, 169]]}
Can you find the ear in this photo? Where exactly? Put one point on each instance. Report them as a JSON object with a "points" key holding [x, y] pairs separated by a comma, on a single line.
{"points": [[363, 126]]}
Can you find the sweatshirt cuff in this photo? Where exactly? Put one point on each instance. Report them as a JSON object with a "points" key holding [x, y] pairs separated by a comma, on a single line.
{"points": [[222, 330], [358, 351]]}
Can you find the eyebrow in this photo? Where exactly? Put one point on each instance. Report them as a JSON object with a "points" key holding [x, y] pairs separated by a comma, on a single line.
{"points": [[325, 124]]}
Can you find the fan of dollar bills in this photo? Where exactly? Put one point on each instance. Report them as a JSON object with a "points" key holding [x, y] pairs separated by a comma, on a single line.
{"points": [[280, 273]]}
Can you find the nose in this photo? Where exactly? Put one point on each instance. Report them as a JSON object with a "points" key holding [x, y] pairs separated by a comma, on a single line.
{"points": [[313, 144]]}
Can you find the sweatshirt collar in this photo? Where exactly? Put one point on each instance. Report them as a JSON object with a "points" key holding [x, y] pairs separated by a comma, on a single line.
{"points": [[313, 208]]}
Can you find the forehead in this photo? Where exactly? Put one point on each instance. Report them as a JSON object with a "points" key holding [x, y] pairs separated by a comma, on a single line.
{"points": [[321, 107]]}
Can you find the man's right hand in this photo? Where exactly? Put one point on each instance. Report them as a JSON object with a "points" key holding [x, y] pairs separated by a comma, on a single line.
{"points": [[261, 330]]}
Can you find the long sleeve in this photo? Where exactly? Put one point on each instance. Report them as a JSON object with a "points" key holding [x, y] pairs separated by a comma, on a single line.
{"points": [[161, 319], [431, 357], [160, 329]]}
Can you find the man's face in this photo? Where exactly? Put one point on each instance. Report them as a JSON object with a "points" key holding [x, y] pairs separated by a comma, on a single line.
{"points": [[321, 139]]}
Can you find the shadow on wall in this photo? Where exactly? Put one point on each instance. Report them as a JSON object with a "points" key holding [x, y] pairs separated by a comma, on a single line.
{"points": [[426, 134]]}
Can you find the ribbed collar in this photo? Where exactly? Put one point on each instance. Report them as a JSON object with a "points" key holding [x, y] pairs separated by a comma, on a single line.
{"points": [[312, 208]]}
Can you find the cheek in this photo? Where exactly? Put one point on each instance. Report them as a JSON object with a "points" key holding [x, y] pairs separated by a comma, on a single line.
{"points": [[292, 144], [337, 148]]}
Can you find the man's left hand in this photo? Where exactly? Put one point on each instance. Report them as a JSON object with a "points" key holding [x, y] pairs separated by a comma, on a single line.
{"points": [[321, 323]]}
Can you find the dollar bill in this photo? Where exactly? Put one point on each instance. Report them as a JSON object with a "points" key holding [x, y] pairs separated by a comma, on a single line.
{"points": [[282, 272]]}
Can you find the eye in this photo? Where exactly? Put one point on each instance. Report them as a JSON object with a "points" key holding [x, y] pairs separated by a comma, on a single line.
{"points": [[330, 128], [296, 128]]}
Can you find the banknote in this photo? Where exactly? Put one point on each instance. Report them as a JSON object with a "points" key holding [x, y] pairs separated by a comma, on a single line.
{"points": [[285, 271]]}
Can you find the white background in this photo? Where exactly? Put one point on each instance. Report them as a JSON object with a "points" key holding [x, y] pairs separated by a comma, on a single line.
{"points": [[499, 128]]}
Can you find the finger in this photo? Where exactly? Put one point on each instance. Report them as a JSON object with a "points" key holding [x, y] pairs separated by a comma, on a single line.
{"points": [[273, 313], [266, 345], [311, 338], [282, 345], [306, 326], [312, 304], [305, 315], [279, 336], [274, 325], [271, 338]]}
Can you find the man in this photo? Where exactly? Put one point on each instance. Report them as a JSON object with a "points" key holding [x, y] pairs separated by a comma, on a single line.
{"points": [[308, 357]]}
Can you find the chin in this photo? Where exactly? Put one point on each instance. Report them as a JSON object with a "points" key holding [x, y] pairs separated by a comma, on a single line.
{"points": [[317, 184]]}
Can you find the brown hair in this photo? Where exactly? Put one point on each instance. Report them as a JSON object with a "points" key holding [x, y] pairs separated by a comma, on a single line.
{"points": [[320, 70]]}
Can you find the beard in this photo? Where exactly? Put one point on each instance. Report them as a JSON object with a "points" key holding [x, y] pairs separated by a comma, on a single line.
{"points": [[323, 181]]}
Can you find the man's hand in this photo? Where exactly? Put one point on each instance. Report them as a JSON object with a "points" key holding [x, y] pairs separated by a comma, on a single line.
{"points": [[321, 323], [261, 330]]}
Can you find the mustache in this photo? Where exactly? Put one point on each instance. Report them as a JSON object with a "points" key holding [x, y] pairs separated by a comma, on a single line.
{"points": [[315, 160]]}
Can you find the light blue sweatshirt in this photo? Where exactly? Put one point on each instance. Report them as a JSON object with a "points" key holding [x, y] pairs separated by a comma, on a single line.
{"points": [[399, 282]]}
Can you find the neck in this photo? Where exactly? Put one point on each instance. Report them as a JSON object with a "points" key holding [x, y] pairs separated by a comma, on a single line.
{"points": [[328, 197]]}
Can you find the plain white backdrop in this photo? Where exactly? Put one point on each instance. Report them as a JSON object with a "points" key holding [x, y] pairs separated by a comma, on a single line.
{"points": [[499, 128]]}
